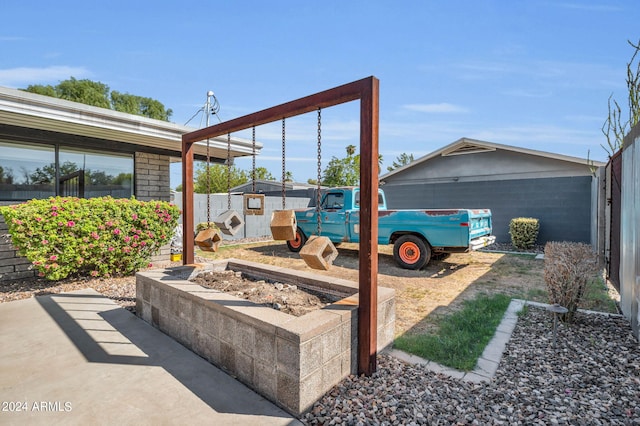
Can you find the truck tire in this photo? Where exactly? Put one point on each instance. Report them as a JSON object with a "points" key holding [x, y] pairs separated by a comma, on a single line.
{"points": [[411, 252], [296, 244]]}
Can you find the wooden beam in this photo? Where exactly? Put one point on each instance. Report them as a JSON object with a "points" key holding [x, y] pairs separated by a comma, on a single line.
{"points": [[187, 203], [368, 252]]}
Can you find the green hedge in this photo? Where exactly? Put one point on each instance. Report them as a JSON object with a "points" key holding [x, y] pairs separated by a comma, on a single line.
{"points": [[524, 232], [99, 237]]}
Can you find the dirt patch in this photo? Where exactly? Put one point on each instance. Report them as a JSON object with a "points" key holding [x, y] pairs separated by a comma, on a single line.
{"points": [[421, 296], [283, 297]]}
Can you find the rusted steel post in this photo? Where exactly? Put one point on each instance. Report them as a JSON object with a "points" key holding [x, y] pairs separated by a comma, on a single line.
{"points": [[187, 203], [368, 262]]}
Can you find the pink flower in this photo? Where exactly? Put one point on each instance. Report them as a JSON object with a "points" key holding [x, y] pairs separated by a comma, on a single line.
{"points": [[143, 243], [54, 208], [109, 223], [135, 237], [95, 235], [71, 224], [53, 257], [54, 214], [116, 231], [150, 265], [17, 222], [94, 273], [111, 248], [60, 223], [134, 216], [38, 219], [127, 238], [126, 249], [91, 245], [45, 242]]}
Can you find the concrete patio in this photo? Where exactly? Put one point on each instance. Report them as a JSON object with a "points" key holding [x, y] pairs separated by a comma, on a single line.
{"points": [[79, 358]]}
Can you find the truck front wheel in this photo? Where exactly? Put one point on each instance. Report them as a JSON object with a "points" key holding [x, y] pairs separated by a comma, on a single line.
{"points": [[296, 244], [411, 252]]}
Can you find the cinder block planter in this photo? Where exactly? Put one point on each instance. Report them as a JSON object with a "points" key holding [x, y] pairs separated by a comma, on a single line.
{"points": [[290, 360]]}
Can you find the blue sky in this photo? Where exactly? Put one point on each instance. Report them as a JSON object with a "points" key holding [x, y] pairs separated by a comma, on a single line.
{"points": [[534, 74]]}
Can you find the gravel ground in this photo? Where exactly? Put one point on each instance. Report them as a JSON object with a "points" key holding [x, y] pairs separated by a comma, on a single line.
{"points": [[591, 378]]}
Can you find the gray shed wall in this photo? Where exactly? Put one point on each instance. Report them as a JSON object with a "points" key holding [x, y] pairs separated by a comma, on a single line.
{"points": [[562, 204]]}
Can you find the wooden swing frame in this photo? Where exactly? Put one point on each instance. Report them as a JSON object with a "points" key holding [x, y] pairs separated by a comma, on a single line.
{"points": [[367, 91]]}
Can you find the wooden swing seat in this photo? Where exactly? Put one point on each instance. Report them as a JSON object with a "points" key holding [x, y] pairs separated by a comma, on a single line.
{"points": [[319, 253], [283, 225], [208, 239]]}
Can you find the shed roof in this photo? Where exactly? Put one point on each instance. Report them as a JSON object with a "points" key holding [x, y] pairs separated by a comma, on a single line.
{"points": [[471, 146], [30, 110]]}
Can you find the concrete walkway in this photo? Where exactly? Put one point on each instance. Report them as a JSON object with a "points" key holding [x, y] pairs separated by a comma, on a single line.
{"points": [[79, 358]]}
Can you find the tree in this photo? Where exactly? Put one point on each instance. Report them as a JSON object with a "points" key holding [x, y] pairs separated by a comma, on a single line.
{"points": [[217, 178], [97, 94], [344, 171], [614, 128], [401, 160], [47, 174], [139, 105], [262, 174], [6, 175]]}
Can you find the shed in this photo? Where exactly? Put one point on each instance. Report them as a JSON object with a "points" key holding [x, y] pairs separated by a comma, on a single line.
{"points": [[558, 190]]}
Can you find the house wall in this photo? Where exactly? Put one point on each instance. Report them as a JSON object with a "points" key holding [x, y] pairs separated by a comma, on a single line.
{"points": [[562, 205], [151, 183], [511, 184]]}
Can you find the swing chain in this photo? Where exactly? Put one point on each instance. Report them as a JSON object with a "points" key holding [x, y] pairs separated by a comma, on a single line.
{"points": [[284, 170], [253, 160], [318, 195], [208, 175], [229, 171]]}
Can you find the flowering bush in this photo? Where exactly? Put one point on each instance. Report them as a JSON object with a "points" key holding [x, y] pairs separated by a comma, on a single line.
{"points": [[99, 237]]}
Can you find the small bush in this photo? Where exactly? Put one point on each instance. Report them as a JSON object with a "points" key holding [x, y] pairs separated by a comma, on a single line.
{"points": [[524, 232], [99, 237], [568, 267], [205, 225]]}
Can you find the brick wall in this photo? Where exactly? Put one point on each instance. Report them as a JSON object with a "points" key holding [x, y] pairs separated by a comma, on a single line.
{"points": [[12, 266], [152, 177], [152, 183]]}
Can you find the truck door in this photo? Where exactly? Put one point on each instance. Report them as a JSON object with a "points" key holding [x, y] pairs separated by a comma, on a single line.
{"points": [[333, 216]]}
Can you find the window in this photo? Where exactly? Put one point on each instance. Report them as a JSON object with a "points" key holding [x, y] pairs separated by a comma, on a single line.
{"points": [[31, 171], [357, 202], [27, 171], [333, 200], [91, 174]]}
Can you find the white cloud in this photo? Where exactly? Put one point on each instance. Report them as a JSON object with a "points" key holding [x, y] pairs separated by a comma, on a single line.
{"points": [[435, 108], [21, 76]]}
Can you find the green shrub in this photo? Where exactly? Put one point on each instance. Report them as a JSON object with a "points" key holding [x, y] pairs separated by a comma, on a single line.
{"points": [[205, 225], [524, 232], [568, 267], [99, 237]]}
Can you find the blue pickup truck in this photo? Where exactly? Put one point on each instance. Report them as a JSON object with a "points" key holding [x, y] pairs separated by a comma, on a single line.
{"points": [[417, 235]]}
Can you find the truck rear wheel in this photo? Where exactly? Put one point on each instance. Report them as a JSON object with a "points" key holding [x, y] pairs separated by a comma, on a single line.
{"points": [[411, 252], [296, 244]]}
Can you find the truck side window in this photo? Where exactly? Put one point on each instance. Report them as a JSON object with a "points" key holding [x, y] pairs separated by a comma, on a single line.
{"points": [[333, 200], [356, 203]]}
